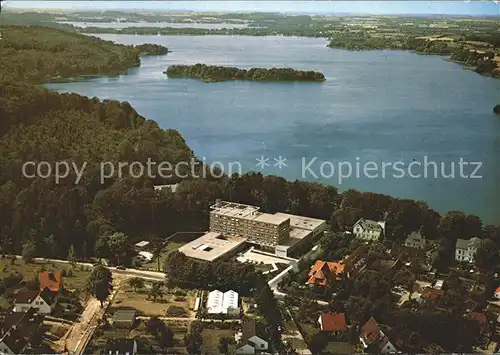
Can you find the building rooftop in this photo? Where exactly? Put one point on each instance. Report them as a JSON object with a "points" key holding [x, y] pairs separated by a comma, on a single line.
{"points": [[142, 244], [322, 272], [51, 280], [368, 224], [124, 315], [120, 346], [219, 302], [468, 243], [26, 297], [299, 233], [239, 210], [332, 322], [302, 222], [211, 246]]}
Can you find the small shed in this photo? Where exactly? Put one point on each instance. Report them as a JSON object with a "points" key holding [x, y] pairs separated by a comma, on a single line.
{"points": [[124, 318]]}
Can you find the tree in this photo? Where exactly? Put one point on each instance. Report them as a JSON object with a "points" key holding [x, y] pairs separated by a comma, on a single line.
{"points": [[487, 255], [51, 246], [156, 291], [29, 251], [100, 283], [404, 278], [118, 245], [72, 255], [224, 345], [136, 283], [318, 342]]}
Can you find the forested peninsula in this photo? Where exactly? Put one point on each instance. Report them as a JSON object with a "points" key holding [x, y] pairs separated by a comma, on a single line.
{"points": [[212, 73], [40, 54]]}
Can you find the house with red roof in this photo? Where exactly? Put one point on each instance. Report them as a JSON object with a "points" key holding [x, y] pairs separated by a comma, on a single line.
{"points": [[431, 294], [333, 323], [51, 280], [496, 294], [322, 272], [373, 338]]}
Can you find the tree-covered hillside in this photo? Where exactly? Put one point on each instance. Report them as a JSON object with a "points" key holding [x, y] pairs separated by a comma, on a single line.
{"points": [[38, 54], [40, 125]]}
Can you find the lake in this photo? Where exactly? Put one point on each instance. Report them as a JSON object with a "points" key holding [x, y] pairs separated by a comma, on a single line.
{"points": [[378, 107]]}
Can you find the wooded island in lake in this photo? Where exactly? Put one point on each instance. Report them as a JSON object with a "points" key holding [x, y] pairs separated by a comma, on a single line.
{"points": [[212, 73]]}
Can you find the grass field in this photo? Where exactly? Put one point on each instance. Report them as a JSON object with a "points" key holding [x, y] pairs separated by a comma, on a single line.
{"points": [[127, 298], [30, 271], [210, 345]]}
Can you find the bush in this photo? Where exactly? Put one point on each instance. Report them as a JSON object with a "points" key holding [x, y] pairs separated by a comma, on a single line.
{"points": [[176, 311], [179, 292]]}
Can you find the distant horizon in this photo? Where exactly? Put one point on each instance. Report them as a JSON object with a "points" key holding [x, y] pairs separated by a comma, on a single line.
{"points": [[396, 8]]}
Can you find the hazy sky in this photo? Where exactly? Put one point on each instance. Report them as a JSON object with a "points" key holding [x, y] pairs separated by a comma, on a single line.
{"points": [[373, 7]]}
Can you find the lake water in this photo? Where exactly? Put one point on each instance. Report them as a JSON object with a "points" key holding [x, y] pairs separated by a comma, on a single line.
{"points": [[120, 25], [381, 107]]}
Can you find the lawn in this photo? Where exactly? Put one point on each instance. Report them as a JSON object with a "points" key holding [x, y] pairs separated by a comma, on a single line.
{"points": [[210, 345], [339, 348], [292, 336], [128, 298], [30, 271]]}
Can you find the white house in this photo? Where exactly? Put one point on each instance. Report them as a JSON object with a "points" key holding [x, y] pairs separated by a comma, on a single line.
{"points": [[253, 339], [368, 230], [415, 240], [44, 301], [465, 250], [223, 303]]}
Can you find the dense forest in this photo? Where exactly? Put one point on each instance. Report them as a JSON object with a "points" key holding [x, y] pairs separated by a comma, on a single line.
{"points": [[211, 73], [38, 54]]}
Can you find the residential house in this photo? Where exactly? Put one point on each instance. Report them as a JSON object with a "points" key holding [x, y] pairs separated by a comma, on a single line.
{"points": [[253, 339], [438, 285], [121, 347], [44, 301], [333, 323], [405, 253], [28, 322], [465, 250], [415, 240], [483, 322], [124, 318], [12, 343], [17, 329], [368, 230], [51, 280], [322, 272], [496, 294], [355, 262], [373, 338], [430, 294]]}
